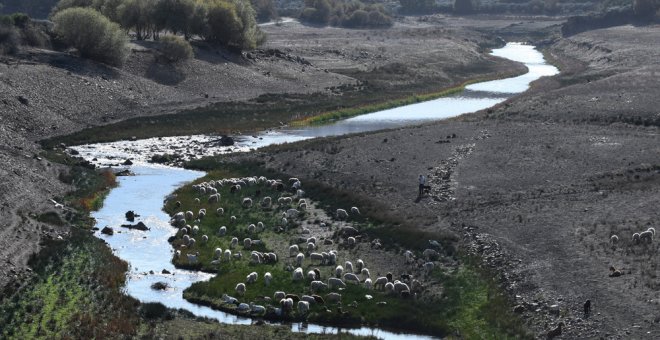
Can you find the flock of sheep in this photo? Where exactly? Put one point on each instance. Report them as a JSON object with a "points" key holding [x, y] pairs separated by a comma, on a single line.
{"points": [[340, 275], [645, 236]]}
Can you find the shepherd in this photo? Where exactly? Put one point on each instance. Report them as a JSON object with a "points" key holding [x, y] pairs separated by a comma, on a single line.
{"points": [[422, 184]]}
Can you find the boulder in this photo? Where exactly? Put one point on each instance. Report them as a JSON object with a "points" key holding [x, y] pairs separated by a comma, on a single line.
{"points": [[226, 141], [107, 230]]}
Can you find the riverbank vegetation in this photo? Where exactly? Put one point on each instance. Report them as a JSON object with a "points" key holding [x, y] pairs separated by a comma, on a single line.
{"points": [[466, 303], [345, 14]]}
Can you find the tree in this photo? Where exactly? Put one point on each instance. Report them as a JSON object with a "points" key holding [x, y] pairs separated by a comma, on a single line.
{"points": [[92, 34], [417, 6], [645, 9], [136, 15], [175, 48], [463, 6]]}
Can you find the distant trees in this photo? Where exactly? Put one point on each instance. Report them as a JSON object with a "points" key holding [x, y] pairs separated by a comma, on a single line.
{"points": [[346, 14], [645, 9], [418, 6], [92, 34]]}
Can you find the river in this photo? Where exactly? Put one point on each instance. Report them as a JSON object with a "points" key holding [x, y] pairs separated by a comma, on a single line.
{"points": [[148, 253]]}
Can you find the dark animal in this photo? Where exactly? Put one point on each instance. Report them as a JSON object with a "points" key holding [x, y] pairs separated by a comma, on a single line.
{"points": [[317, 272], [587, 308], [293, 297], [389, 277], [615, 272], [405, 277]]}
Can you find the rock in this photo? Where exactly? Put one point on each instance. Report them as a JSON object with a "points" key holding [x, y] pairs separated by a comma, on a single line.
{"points": [[107, 230], [138, 226], [23, 100], [165, 271], [519, 309], [130, 215], [226, 141], [159, 286], [74, 152], [128, 162]]}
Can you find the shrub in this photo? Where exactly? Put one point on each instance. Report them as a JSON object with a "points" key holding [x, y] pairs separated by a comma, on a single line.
{"points": [[347, 14], [175, 48], [92, 34], [9, 39]]}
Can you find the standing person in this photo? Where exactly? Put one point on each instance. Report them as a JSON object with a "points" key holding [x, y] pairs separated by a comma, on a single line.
{"points": [[422, 183]]}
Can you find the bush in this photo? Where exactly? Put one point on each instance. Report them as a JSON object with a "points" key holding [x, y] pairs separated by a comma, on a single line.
{"points": [[347, 14], [9, 39], [175, 48], [92, 34]]}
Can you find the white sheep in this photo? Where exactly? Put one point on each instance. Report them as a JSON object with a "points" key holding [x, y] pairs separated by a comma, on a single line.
{"points": [[400, 286], [348, 266], [232, 219], [189, 215], [267, 202], [197, 201], [351, 277], [247, 243], [220, 211], [339, 270], [341, 214], [257, 309], [311, 275], [298, 274], [333, 297], [646, 235], [614, 239], [240, 289], [311, 240], [217, 253], [351, 241], [635, 238], [303, 307], [252, 228], [299, 259], [191, 242], [381, 282], [293, 250], [222, 231], [201, 214], [247, 202], [651, 229], [267, 278], [205, 239], [310, 247], [308, 298], [195, 230], [256, 258], [279, 295], [186, 238], [291, 213], [355, 210], [229, 299], [303, 206], [316, 286], [410, 257], [316, 257], [430, 254], [260, 226], [252, 277], [192, 258], [389, 287], [368, 284], [428, 266], [227, 254], [359, 265], [334, 282], [306, 231], [365, 273], [234, 242]]}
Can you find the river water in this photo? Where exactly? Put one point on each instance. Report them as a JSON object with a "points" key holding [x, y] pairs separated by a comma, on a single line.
{"points": [[148, 253]]}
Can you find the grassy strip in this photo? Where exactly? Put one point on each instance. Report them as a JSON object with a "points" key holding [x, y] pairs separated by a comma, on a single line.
{"points": [[471, 304], [349, 112]]}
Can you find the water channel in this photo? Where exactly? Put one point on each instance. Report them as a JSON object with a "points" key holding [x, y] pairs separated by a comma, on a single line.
{"points": [[148, 253]]}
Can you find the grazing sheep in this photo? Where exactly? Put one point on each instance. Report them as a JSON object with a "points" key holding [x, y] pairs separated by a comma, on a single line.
{"points": [[252, 277], [303, 307], [400, 286], [191, 242], [646, 236], [177, 254], [272, 257], [333, 297], [300, 193], [351, 277], [287, 304], [179, 216], [205, 239], [227, 254], [303, 206], [279, 295], [389, 287], [365, 273], [651, 229], [192, 258], [318, 299], [306, 231], [311, 240], [234, 242], [430, 254], [405, 294], [238, 255], [380, 282], [220, 211], [298, 274], [186, 238], [635, 238], [189, 215], [359, 265], [215, 198], [247, 243], [252, 228], [291, 213], [201, 214], [410, 257], [267, 278], [614, 239], [240, 289], [257, 309], [341, 214], [260, 226], [232, 219], [284, 221], [334, 282], [222, 231], [247, 202], [195, 230], [229, 299], [355, 210], [351, 241], [348, 266], [428, 266], [332, 258], [308, 298], [299, 259], [256, 258], [293, 250], [266, 202], [316, 257], [316, 286], [368, 284], [311, 275], [310, 247], [339, 270], [197, 201], [217, 253]]}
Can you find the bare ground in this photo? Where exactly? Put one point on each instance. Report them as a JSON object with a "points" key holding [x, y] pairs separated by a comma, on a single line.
{"points": [[537, 185]]}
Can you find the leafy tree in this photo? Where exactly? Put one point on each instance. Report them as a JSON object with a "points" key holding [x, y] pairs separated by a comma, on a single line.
{"points": [[9, 39], [645, 9], [417, 6], [265, 10], [92, 34], [136, 15], [463, 6]]}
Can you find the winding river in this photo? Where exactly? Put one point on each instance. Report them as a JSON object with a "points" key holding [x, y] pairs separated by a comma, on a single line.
{"points": [[149, 253]]}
